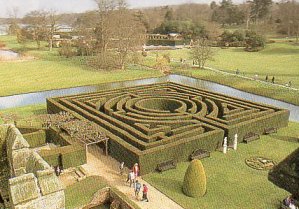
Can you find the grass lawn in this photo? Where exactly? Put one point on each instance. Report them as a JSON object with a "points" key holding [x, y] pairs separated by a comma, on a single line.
{"points": [[22, 112], [230, 182], [280, 59], [81, 193], [251, 86], [50, 71]]}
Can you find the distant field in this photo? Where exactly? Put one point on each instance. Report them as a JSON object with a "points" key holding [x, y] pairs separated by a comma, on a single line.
{"points": [[280, 59], [230, 182], [50, 71]]}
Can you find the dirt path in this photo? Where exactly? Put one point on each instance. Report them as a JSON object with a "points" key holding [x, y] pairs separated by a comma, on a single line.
{"points": [[107, 167]]}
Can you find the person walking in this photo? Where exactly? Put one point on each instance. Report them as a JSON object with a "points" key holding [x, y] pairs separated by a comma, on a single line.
{"points": [[137, 189], [136, 170], [121, 168], [267, 78], [131, 178], [273, 79], [145, 191]]}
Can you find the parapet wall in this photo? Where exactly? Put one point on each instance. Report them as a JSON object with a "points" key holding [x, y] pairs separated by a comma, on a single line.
{"points": [[33, 183]]}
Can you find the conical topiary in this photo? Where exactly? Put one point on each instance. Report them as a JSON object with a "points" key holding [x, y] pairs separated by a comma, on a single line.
{"points": [[195, 181]]}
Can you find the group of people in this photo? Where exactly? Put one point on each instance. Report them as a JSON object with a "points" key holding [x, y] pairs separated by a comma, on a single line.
{"points": [[272, 80], [289, 84], [132, 180], [290, 202]]}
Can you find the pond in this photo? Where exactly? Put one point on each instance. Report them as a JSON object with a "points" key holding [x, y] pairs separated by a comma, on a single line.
{"points": [[40, 97], [8, 55]]}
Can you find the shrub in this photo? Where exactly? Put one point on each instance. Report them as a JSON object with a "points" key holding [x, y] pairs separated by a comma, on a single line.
{"points": [[104, 61], [254, 41], [195, 181], [67, 50]]}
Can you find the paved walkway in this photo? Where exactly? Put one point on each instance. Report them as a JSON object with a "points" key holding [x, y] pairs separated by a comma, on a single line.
{"points": [[107, 167]]}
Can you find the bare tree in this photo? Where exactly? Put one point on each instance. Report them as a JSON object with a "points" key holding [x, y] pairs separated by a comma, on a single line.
{"points": [[117, 33], [103, 29], [51, 27], [128, 34], [201, 52], [289, 17], [37, 21], [246, 9], [13, 16]]}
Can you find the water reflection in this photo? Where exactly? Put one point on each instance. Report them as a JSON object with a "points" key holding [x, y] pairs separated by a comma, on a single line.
{"points": [[40, 97], [7, 54]]}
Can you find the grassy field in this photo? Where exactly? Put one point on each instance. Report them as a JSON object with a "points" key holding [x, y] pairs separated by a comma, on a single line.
{"points": [[251, 86], [280, 59], [50, 71], [230, 182], [22, 112], [81, 193]]}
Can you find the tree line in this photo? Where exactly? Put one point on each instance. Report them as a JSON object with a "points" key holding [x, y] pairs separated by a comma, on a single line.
{"points": [[113, 33]]}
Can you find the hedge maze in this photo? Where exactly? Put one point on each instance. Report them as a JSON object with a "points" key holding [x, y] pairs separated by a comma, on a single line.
{"points": [[151, 124]]}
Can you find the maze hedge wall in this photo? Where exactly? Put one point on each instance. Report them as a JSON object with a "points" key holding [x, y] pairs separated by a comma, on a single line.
{"points": [[73, 154], [154, 123]]}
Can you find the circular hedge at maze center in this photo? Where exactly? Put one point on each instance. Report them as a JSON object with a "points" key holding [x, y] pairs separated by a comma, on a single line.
{"points": [[160, 104]]}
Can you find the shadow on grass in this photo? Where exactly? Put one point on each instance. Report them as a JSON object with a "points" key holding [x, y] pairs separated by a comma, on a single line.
{"points": [[286, 138]]}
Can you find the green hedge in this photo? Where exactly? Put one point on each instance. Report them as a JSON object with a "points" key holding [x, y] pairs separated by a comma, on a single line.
{"points": [[36, 139], [72, 156], [179, 150], [139, 134], [167, 42]]}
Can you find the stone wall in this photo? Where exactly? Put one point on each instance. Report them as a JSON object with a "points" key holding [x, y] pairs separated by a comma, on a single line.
{"points": [[33, 183]]}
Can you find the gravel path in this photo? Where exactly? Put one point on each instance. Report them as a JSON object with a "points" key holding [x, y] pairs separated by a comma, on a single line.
{"points": [[107, 167]]}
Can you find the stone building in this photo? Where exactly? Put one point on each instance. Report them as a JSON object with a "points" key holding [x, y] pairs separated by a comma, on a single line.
{"points": [[29, 181]]}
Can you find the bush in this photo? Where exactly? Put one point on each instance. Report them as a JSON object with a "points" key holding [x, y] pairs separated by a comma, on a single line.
{"points": [[232, 39], [195, 181], [254, 42], [67, 50], [104, 61]]}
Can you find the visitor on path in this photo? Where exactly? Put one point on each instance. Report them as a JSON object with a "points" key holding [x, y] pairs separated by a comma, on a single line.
{"points": [[57, 170], [121, 168], [273, 79], [137, 189], [145, 191], [267, 78], [136, 170], [237, 72], [289, 202], [131, 178], [290, 83]]}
